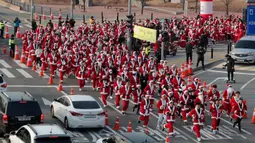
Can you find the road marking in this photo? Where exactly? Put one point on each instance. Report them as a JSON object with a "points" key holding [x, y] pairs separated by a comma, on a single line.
{"points": [[97, 135], [29, 26], [247, 83], [188, 136], [228, 130], [46, 101], [241, 73], [7, 73], [216, 80], [20, 64], [43, 86], [2, 62], [45, 75], [94, 138], [24, 73]]}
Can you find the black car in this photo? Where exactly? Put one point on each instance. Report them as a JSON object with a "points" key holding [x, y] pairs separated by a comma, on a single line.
{"points": [[18, 109]]}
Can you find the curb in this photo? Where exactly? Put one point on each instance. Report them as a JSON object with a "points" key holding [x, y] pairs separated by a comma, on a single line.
{"points": [[209, 64]]}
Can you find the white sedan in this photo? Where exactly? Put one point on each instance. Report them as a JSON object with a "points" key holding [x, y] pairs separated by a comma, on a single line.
{"points": [[78, 111], [3, 84]]}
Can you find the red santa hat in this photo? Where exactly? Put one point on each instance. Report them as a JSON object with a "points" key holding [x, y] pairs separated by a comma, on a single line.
{"points": [[228, 85], [138, 85], [200, 86], [196, 79]]}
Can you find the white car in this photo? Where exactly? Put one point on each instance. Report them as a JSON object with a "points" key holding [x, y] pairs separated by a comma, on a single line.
{"points": [[3, 84], [40, 133], [78, 111]]}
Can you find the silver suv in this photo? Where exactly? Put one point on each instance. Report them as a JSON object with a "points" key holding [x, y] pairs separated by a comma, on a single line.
{"points": [[244, 50]]}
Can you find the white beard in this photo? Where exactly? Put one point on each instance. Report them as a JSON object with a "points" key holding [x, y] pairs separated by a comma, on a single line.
{"points": [[230, 91]]}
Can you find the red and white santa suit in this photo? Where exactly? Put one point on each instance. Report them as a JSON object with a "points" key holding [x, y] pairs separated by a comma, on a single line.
{"points": [[43, 58], [150, 90], [81, 75], [195, 85], [184, 102], [137, 94], [134, 79], [170, 112], [145, 109], [104, 91], [216, 111], [177, 81], [239, 110], [117, 86], [125, 74], [201, 98], [53, 59], [125, 94], [151, 65], [213, 94], [227, 95], [173, 71], [95, 71], [166, 82], [76, 58], [161, 105], [62, 67], [197, 115]]}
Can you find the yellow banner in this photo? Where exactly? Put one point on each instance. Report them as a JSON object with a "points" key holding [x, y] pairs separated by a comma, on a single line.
{"points": [[145, 34]]}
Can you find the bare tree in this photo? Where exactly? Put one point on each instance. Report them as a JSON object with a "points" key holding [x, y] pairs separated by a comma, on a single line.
{"points": [[142, 5], [227, 3]]}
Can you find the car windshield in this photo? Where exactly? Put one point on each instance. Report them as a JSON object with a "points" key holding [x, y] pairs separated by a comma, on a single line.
{"points": [[54, 140], [1, 79], [85, 105], [17, 108], [245, 44]]}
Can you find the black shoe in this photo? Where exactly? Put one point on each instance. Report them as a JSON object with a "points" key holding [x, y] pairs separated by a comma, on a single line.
{"points": [[139, 121], [163, 129]]}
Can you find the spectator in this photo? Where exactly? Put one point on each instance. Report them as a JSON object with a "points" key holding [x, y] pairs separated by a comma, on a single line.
{"points": [[34, 25], [200, 55], [16, 25], [189, 51]]}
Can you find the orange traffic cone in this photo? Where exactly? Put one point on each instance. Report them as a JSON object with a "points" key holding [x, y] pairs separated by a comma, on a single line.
{"points": [[182, 70], [106, 118], [167, 139], [186, 72], [245, 114], [50, 80], [23, 58], [16, 56], [190, 70], [29, 61], [146, 131], [253, 117], [189, 80], [4, 50], [199, 81], [44, 16], [210, 88], [117, 124], [41, 73], [129, 128], [204, 85], [51, 16], [18, 33], [36, 17], [60, 88], [72, 91], [34, 66], [6, 33]]}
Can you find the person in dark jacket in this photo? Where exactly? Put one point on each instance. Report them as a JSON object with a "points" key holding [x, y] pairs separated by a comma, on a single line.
{"points": [[50, 24], [200, 56], [143, 80], [34, 25], [204, 40], [16, 25], [72, 22], [230, 67], [189, 51]]}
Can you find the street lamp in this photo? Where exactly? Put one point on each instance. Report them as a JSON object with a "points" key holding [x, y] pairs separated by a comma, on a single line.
{"points": [[32, 11], [130, 19]]}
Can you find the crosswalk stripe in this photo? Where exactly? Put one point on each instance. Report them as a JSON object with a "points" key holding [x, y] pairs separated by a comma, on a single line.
{"points": [[24, 73], [7, 73], [45, 75], [2, 62], [29, 26], [20, 64]]}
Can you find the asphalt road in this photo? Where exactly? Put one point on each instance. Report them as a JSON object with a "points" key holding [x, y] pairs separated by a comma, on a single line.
{"points": [[21, 78]]}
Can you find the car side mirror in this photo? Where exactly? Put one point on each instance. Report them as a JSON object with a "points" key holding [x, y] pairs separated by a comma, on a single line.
{"points": [[55, 100]]}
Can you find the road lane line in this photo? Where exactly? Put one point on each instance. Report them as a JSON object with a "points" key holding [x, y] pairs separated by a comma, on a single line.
{"points": [[24, 73], [179, 130], [215, 80], [241, 73], [94, 138], [247, 83], [234, 132], [7, 73], [111, 105], [109, 128], [29, 26], [6, 65], [97, 135], [45, 75], [20, 64]]}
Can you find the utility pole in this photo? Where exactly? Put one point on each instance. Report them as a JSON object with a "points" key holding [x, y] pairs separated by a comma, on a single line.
{"points": [[72, 7], [32, 11], [163, 40], [129, 39]]}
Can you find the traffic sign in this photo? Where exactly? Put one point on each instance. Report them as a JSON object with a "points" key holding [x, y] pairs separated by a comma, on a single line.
{"points": [[250, 20]]}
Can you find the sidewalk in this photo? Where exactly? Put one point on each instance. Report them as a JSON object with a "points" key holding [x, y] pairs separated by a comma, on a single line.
{"points": [[219, 52]]}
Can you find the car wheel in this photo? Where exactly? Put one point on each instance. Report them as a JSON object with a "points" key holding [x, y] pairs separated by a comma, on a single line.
{"points": [[52, 112], [66, 124]]}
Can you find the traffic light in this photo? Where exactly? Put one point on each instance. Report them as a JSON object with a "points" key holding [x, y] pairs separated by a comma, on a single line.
{"points": [[130, 21]]}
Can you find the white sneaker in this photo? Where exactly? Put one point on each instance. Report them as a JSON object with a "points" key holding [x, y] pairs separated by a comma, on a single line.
{"points": [[80, 89], [199, 139], [105, 106], [93, 88], [110, 97], [118, 107]]}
